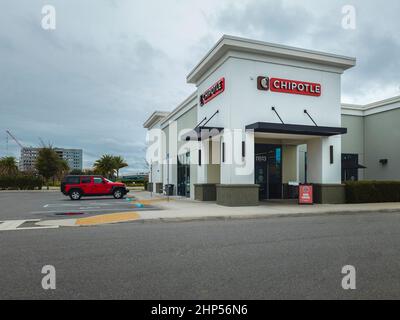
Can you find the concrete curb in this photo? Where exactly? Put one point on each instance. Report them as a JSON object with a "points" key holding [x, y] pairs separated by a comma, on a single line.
{"points": [[72, 222], [259, 216]]}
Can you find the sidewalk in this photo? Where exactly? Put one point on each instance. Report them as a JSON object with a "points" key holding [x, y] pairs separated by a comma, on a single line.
{"points": [[177, 209]]}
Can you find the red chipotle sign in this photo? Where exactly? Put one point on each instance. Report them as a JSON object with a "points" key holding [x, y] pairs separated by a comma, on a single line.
{"points": [[216, 89], [289, 86]]}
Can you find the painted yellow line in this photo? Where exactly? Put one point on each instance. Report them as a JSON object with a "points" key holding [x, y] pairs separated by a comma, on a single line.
{"points": [[150, 201], [107, 218]]}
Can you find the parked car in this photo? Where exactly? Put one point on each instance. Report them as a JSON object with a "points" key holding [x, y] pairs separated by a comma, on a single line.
{"points": [[77, 186]]}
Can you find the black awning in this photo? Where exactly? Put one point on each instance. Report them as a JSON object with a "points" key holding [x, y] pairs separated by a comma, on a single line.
{"points": [[202, 133], [351, 165], [267, 127]]}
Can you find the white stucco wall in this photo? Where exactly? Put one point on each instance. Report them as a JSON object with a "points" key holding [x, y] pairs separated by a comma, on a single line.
{"points": [[319, 167], [243, 104]]}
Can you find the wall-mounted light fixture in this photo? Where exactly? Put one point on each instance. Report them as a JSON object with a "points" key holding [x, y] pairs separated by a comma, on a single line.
{"points": [[384, 162], [200, 157]]}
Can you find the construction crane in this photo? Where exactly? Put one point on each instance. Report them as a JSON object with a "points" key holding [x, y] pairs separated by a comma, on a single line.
{"points": [[14, 138]]}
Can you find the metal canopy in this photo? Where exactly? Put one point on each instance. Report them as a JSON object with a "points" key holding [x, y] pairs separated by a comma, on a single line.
{"points": [[352, 165], [267, 127], [202, 133]]}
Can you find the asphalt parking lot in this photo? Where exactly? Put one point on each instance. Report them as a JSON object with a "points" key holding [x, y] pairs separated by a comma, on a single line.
{"points": [[277, 258], [54, 205]]}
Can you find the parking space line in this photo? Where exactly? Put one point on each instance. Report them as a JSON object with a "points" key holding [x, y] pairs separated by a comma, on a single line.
{"points": [[16, 225], [50, 205], [88, 210]]}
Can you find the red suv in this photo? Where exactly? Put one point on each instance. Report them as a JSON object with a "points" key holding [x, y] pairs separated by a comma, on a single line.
{"points": [[77, 186]]}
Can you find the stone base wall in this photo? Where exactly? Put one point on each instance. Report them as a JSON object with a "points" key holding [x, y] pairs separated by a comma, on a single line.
{"points": [[205, 192], [237, 195], [329, 193]]}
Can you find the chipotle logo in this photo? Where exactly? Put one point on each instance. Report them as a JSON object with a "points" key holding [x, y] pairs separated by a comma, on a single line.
{"points": [[215, 90], [289, 86]]}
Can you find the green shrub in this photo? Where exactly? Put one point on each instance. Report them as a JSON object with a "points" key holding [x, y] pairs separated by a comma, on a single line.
{"points": [[21, 182], [372, 191]]}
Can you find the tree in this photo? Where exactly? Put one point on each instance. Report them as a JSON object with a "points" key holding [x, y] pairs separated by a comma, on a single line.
{"points": [[109, 165], [119, 164], [105, 166], [63, 168], [76, 172], [8, 166], [89, 172], [49, 164]]}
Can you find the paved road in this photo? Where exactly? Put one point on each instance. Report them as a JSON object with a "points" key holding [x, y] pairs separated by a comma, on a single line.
{"points": [[276, 258], [53, 205]]}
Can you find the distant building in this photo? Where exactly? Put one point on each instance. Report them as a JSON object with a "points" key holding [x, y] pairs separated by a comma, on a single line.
{"points": [[139, 177], [29, 155]]}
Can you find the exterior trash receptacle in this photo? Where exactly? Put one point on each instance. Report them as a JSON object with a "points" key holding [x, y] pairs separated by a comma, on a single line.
{"points": [[292, 191], [169, 189]]}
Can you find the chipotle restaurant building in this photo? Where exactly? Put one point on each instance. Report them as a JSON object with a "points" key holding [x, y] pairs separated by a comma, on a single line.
{"points": [[240, 137]]}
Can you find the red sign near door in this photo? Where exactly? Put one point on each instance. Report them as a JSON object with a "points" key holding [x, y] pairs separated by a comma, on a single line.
{"points": [[306, 194]]}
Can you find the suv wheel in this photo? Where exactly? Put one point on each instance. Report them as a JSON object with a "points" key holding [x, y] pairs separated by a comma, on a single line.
{"points": [[75, 195], [118, 194]]}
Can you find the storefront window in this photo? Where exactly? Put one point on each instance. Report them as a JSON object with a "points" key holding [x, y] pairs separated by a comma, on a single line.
{"points": [[184, 175], [349, 167]]}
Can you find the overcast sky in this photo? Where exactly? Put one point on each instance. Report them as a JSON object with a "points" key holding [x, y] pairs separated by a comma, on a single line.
{"points": [[93, 81]]}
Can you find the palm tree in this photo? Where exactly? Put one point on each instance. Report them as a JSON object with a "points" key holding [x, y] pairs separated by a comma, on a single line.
{"points": [[89, 172], [105, 165], [8, 166], [119, 164]]}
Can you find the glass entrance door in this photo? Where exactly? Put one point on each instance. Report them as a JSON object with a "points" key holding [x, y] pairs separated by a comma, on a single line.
{"points": [[268, 170], [184, 175]]}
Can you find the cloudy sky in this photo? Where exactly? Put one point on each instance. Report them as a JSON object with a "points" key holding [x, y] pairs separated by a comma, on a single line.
{"points": [[92, 81]]}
